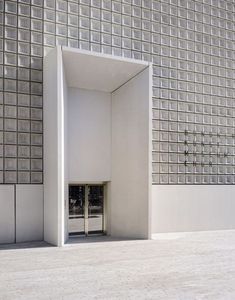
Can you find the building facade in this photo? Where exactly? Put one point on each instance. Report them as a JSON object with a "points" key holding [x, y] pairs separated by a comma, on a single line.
{"points": [[190, 45]]}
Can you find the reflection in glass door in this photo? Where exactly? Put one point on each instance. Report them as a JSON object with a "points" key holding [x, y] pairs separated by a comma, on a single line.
{"points": [[86, 210]]}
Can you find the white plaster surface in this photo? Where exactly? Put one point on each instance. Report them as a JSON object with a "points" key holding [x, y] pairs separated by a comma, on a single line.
{"points": [[7, 214], [51, 144], [29, 212], [192, 207], [131, 161], [98, 71], [182, 266], [89, 135]]}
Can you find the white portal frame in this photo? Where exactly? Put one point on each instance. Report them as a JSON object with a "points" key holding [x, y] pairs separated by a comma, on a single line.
{"points": [[129, 186]]}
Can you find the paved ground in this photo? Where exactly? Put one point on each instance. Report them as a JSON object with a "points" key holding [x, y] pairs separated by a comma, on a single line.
{"points": [[174, 266]]}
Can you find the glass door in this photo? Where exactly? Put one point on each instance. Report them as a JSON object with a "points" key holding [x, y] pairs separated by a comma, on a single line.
{"points": [[76, 225], [95, 209], [86, 210]]}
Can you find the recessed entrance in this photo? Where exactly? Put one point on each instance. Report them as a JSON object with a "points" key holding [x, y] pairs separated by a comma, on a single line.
{"points": [[86, 210], [97, 129]]}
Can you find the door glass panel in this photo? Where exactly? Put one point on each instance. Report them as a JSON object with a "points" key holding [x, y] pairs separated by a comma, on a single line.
{"points": [[95, 209], [76, 210]]}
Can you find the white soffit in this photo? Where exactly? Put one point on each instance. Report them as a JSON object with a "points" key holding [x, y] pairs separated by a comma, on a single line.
{"points": [[95, 71]]}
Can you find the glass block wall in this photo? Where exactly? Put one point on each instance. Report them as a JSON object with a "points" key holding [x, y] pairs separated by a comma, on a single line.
{"points": [[191, 46]]}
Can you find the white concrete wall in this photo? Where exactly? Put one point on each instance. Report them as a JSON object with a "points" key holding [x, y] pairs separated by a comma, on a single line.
{"points": [[192, 207], [131, 158], [7, 214], [53, 148], [89, 135], [66, 156], [29, 212]]}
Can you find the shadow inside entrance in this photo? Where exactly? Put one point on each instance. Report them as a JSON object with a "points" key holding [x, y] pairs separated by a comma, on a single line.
{"points": [[26, 245], [96, 239]]}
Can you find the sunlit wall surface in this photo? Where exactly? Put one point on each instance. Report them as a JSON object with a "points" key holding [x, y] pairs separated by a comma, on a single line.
{"points": [[191, 46]]}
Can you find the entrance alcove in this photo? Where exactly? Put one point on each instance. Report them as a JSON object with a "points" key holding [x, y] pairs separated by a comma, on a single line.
{"points": [[97, 130]]}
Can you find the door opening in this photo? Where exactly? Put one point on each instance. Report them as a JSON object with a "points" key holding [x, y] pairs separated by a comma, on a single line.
{"points": [[86, 210]]}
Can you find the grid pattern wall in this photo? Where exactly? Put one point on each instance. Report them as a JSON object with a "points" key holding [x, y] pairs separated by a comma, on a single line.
{"points": [[191, 46]]}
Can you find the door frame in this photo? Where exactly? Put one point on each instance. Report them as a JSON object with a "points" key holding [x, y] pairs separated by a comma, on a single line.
{"points": [[86, 216]]}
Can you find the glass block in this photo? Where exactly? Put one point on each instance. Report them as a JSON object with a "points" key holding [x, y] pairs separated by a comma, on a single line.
{"points": [[72, 20], [10, 151], [10, 137], [23, 125], [106, 4], [24, 138], [36, 126], [24, 10], [23, 100], [10, 20], [23, 74], [61, 18], [10, 177], [36, 101], [36, 12], [36, 139], [23, 87], [10, 59], [37, 2], [49, 28], [23, 164], [49, 40], [23, 151], [24, 35], [61, 30], [36, 177], [10, 164], [10, 85], [10, 124], [36, 164], [73, 43], [36, 63], [11, 7], [36, 152], [36, 37], [36, 88], [24, 22], [49, 15], [10, 98], [37, 50], [72, 8], [95, 37], [61, 41], [23, 48], [10, 46], [23, 177], [36, 25], [49, 4], [10, 111], [61, 5], [23, 61], [10, 72]]}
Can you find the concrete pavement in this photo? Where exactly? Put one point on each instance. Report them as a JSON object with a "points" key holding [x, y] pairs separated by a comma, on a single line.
{"points": [[198, 265]]}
